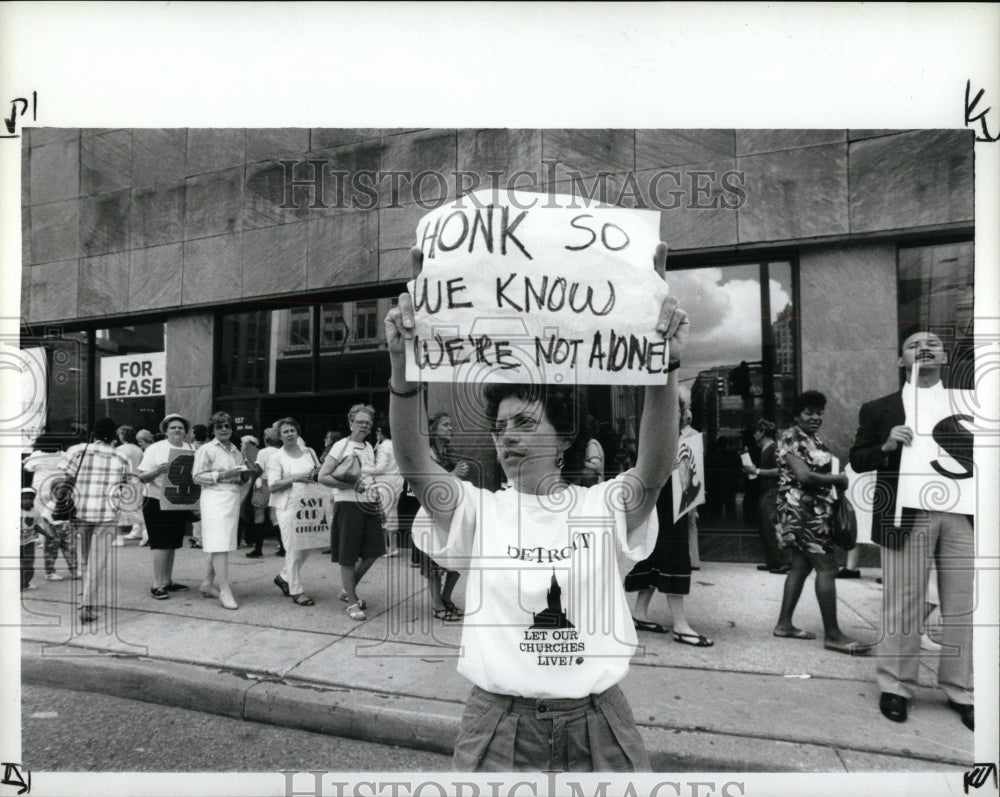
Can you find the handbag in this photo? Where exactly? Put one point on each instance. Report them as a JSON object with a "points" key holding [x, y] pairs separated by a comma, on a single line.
{"points": [[348, 468], [845, 524], [261, 493], [62, 491]]}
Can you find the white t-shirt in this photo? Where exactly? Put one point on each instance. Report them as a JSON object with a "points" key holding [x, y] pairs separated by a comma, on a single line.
{"points": [[545, 608], [282, 466], [157, 454], [367, 455]]}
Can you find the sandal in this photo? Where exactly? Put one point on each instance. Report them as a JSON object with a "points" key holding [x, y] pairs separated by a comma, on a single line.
{"points": [[446, 615], [355, 612], [345, 599], [695, 640], [451, 607], [282, 585], [303, 600], [646, 625], [852, 648], [87, 614], [798, 633]]}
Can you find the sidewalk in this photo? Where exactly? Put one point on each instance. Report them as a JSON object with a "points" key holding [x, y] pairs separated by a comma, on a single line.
{"points": [[750, 703]]}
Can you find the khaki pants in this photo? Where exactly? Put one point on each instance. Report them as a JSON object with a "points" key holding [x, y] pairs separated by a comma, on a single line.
{"points": [[946, 540]]}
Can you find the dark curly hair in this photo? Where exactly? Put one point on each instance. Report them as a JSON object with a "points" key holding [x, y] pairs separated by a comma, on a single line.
{"points": [[565, 408], [809, 400]]}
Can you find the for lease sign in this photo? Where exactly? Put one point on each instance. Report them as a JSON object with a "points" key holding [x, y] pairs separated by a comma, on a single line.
{"points": [[134, 375]]}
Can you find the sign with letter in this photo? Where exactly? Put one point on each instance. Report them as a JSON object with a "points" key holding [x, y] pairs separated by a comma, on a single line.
{"points": [[539, 288], [180, 490], [134, 375], [936, 470], [313, 506], [688, 482]]}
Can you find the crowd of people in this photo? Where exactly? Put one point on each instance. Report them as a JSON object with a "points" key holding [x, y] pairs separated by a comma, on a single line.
{"points": [[412, 491]]}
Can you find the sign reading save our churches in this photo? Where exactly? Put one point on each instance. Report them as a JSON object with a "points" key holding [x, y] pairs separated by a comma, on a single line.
{"points": [[134, 375]]}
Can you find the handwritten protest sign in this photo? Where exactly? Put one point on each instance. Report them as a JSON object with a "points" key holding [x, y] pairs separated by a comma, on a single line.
{"points": [[688, 482], [936, 471], [313, 505], [180, 490], [538, 288]]}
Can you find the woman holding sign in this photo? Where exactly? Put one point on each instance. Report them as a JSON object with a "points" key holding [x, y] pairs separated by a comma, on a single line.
{"points": [[219, 468], [290, 466], [550, 637], [165, 521]]}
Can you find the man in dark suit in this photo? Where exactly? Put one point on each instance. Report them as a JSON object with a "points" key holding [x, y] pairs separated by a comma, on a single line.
{"points": [[907, 548]]}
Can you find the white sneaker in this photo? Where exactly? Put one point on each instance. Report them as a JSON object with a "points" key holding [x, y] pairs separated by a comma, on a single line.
{"points": [[54, 577], [133, 536], [119, 542], [926, 643]]}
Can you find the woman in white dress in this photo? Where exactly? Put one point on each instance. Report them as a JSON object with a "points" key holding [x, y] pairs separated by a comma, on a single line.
{"points": [[285, 468], [219, 468]]}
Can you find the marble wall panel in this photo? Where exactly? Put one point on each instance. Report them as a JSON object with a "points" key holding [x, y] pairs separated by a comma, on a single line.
{"points": [[25, 307], [656, 149], [398, 226], [55, 231], [104, 223], [342, 250], [912, 179], [157, 214], [358, 187], [189, 347], [213, 204], [155, 277], [213, 269], [104, 285], [25, 235], [158, 155], [394, 265], [698, 203], [50, 135], [26, 172], [503, 150], [266, 192], [857, 135], [210, 149], [193, 403], [326, 137], [848, 331], [589, 151], [795, 193], [55, 291], [274, 143], [274, 260], [749, 142], [105, 162], [54, 172], [434, 151]]}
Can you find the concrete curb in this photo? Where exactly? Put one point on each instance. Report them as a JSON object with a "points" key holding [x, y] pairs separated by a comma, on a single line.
{"points": [[405, 721]]}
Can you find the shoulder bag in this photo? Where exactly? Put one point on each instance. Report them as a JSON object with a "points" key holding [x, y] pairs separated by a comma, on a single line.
{"points": [[845, 524], [62, 491], [348, 467]]}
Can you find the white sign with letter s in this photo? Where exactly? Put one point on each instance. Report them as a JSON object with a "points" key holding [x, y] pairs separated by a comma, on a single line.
{"points": [[525, 287], [134, 375]]}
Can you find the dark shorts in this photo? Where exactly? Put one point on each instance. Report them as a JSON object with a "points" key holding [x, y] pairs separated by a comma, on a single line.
{"points": [[501, 733], [165, 529], [356, 532]]}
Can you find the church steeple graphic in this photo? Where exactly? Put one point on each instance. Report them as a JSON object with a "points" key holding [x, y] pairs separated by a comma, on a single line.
{"points": [[553, 616]]}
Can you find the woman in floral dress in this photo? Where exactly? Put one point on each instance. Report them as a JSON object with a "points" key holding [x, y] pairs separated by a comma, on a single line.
{"points": [[805, 508]]}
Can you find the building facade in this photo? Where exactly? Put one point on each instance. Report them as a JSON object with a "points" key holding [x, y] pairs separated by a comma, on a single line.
{"points": [[262, 262]]}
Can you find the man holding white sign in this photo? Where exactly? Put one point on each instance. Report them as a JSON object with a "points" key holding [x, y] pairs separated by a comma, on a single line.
{"points": [[908, 525]]}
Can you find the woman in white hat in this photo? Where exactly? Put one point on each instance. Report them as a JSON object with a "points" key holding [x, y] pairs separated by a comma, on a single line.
{"points": [[165, 527]]}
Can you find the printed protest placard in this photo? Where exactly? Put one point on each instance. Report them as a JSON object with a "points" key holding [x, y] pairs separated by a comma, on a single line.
{"points": [[936, 470], [537, 288], [688, 482], [313, 505], [180, 490]]}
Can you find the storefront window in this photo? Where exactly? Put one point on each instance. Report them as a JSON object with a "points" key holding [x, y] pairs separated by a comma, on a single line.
{"points": [[54, 386], [266, 351], [130, 375], [937, 289]]}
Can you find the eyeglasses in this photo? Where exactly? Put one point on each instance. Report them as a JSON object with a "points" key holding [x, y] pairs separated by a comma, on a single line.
{"points": [[362, 423], [223, 426]]}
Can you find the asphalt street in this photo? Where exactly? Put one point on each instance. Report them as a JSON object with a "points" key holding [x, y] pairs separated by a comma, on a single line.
{"points": [[57, 735]]}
